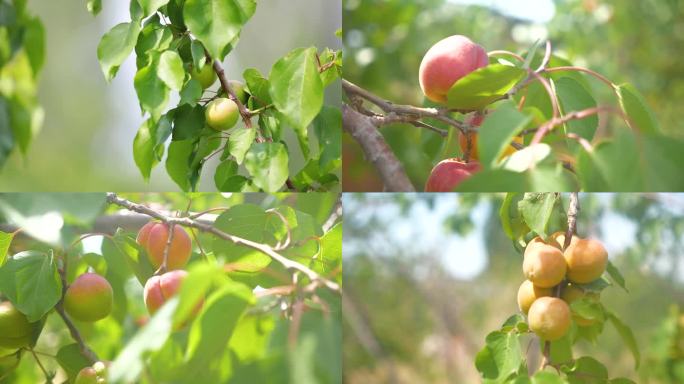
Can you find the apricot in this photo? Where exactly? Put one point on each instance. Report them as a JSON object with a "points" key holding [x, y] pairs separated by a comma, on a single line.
{"points": [[158, 289], [572, 293], [549, 318], [528, 293], [221, 114], [154, 236], [446, 62], [586, 259], [449, 173], [543, 264], [89, 298], [557, 239], [206, 76], [15, 329], [238, 88], [474, 152]]}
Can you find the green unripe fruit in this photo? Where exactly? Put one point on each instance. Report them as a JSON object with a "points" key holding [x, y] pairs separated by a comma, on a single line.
{"points": [[238, 88], [89, 298], [206, 76], [222, 114], [15, 329]]}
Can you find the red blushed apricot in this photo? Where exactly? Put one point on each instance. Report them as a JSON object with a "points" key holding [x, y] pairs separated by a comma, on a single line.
{"points": [[446, 62], [448, 174], [89, 298], [158, 289], [154, 236]]}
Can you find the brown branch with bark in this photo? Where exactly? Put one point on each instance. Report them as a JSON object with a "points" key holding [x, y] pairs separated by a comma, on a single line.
{"points": [[266, 249]]}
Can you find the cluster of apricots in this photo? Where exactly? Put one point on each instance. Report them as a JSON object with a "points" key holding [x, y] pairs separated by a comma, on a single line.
{"points": [[445, 63], [555, 280], [221, 113], [90, 297]]}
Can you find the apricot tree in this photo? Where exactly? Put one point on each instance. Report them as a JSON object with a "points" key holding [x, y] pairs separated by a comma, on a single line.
{"points": [[240, 292], [180, 48], [529, 119], [557, 308]]}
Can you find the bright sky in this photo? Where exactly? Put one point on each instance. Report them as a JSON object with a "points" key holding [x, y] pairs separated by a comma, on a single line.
{"points": [[421, 231], [540, 11]]}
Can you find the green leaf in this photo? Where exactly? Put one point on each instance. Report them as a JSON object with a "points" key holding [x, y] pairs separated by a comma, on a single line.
{"points": [[296, 88], [5, 241], [527, 158], [483, 86], [30, 281], [537, 209], [513, 225], [249, 222], [544, 377], [258, 85], [615, 274], [34, 43], [634, 106], [178, 163], [223, 175], [501, 356], [191, 93], [151, 6], [144, 148], [268, 165], [188, 122], [572, 96], [217, 22], [588, 367], [199, 58], [328, 129], [627, 336], [152, 92], [240, 141], [170, 70], [130, 362], [115, 47], [497, 131], [71, 360]]}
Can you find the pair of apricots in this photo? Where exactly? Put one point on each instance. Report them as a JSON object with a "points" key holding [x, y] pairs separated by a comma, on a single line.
{"points": [[545, 266], [444, 64], [221, 113]]}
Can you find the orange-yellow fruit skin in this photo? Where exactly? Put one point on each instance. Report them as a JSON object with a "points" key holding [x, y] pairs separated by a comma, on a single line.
{"points": [[446, 62], [549, 318], [474, 152], [153, 238], [158, 289], [15, 329], [543, 264], [86, 375], [449, 173], [528, 293], [89, 298], [586, 259], [572, 293]]}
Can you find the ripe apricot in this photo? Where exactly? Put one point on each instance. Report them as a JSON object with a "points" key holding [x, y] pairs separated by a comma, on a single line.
{"points": [[15, 329], [158, 289], [528, 293], [543, 264], [549, 318], [89, 298], [586, 259], [154, 236], [446, 62], [449, 173]]}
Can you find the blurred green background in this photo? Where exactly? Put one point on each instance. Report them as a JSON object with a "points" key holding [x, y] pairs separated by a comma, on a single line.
{"points": [[87, 140], [639, 42], [428, 276]]}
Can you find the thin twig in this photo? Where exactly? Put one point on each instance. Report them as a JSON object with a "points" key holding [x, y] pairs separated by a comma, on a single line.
{"points": [[112, 198]]}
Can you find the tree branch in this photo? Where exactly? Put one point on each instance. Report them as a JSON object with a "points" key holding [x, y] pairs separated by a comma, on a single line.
{"points": [[376, 150], [112, 198]]}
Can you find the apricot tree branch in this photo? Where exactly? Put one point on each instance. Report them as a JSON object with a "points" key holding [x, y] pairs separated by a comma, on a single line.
{"points": [[289, 264], [376, 150], [573, 210]]}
